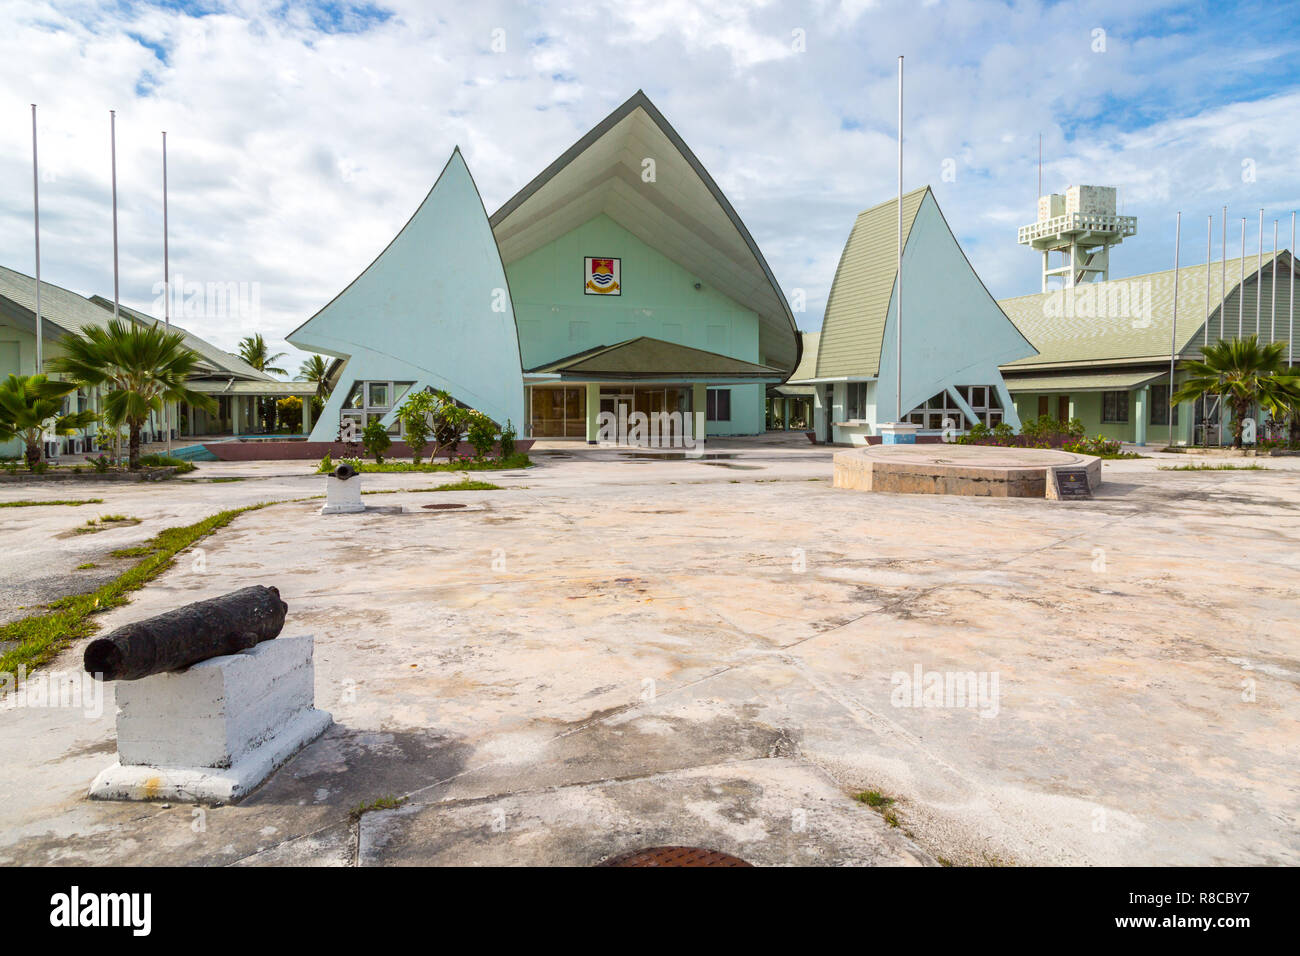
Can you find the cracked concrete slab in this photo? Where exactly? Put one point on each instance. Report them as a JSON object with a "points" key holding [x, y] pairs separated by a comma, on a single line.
{"points": [[616, 634]]}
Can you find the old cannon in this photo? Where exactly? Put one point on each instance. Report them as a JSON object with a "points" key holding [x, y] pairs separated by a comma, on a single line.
{"points": [[212, 699], [181, 638], [342, 491]]}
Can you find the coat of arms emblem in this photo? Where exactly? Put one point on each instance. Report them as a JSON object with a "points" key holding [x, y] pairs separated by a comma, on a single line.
{"points": [[601, 276]]}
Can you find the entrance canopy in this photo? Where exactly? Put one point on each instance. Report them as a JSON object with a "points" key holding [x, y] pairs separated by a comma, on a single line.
{"points": [[645, 359]]}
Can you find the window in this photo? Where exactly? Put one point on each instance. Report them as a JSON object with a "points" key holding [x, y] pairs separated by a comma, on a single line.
{"points": [[1160, 405], [1114, 408], [855, 402], [718, 405], [558, 412], [368, 401]]}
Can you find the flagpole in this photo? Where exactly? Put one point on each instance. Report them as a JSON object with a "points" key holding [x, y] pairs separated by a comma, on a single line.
{"points": [[1272, 319], [112, 145], [1223, 277], [1209, 253], [1241, 286], [1173, 343], [1290, 329], [36, 222], [898, 328], [1259, 275], [167, 289]]}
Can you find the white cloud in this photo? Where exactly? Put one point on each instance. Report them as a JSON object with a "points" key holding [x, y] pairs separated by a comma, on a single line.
{"points": [[296, 153]]}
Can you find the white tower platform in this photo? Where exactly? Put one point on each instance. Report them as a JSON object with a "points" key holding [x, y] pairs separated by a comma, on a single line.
{"points": [[1081, 226]]}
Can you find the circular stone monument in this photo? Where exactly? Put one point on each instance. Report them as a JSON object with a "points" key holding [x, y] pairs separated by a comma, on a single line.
{"points": [[982, 470]]}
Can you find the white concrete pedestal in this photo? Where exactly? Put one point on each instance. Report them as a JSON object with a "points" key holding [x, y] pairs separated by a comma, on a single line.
{"points": [[342, 496], [215, 731], [897, 433]]}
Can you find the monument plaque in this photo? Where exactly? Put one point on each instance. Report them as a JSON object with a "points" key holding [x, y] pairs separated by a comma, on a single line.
{"points": [[1072, 484]]}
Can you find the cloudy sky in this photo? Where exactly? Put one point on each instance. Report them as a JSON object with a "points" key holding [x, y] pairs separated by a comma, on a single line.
{"points": [[301, 136]]}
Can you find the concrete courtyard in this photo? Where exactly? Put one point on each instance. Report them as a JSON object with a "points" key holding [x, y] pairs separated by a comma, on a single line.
{"points": [[617, 652]]}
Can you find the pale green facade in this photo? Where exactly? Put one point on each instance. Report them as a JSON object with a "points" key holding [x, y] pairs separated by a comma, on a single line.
{"points": [[658, 299]]}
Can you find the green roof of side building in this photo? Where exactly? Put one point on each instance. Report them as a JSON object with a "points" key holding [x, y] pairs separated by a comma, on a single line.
{"points": [[1131, 320], [218, 360], [64, 311]]}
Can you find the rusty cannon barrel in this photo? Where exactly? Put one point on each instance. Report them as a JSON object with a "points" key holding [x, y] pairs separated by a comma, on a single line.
{"points": [[181, 638], [344, 471]]}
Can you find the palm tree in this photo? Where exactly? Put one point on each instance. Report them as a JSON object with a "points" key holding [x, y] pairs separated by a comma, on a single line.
{"points": [[142, 367], [315, 369], [1246, 374], [31, 405], [254, 351]]}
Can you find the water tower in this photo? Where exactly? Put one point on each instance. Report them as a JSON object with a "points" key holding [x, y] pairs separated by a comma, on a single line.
{"points": [[1080, 227]]}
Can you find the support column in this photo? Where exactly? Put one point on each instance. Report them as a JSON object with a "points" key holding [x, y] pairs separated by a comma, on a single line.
{"points": [[593, 412], [700, 403], [1010, 413], [1141, 402], [306, 415]]}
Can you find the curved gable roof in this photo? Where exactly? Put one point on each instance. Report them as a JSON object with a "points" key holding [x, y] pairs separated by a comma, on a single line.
{"points": [[856, 309], [433, 308], [682, 213]]}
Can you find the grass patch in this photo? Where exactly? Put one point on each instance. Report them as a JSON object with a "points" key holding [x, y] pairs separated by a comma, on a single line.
{"points": [[41, 636], [488, 464], [139, 551], [182, 466], [87, 566], [880, 803], [71, 502], [1115, 456], [874, 798], [1212, 468], [468, 484], [102, 523], [379, 803]]}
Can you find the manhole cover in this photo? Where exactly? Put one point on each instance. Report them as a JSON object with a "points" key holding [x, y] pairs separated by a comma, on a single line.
{"points": [[675, 856], [443, 506]]}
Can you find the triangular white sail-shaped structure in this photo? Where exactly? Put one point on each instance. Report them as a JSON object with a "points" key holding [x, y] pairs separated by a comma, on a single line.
{"points": [[434, 310]]}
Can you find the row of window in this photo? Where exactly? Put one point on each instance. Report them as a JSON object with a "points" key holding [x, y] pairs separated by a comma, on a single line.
{"points": [[1115, 408], [931, 414]]}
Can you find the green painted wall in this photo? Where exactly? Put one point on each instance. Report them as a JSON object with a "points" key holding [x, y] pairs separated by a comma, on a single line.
{"points": [[1087, 408], [659, 299]]}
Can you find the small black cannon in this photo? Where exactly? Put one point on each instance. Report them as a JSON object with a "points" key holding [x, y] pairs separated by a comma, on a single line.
{"points": [[196, 632], [344, 471]]}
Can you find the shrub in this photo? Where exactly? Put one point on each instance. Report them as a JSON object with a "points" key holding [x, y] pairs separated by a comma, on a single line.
{"points": [[288, 412], [376, 440], [100, 463], [449, 421], [508, 436], [482, 435], [416, 416], [326, 465], [1100, 446]]}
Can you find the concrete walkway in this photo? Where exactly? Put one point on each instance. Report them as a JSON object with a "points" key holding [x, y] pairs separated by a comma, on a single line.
{"points": [[618, 652]]}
